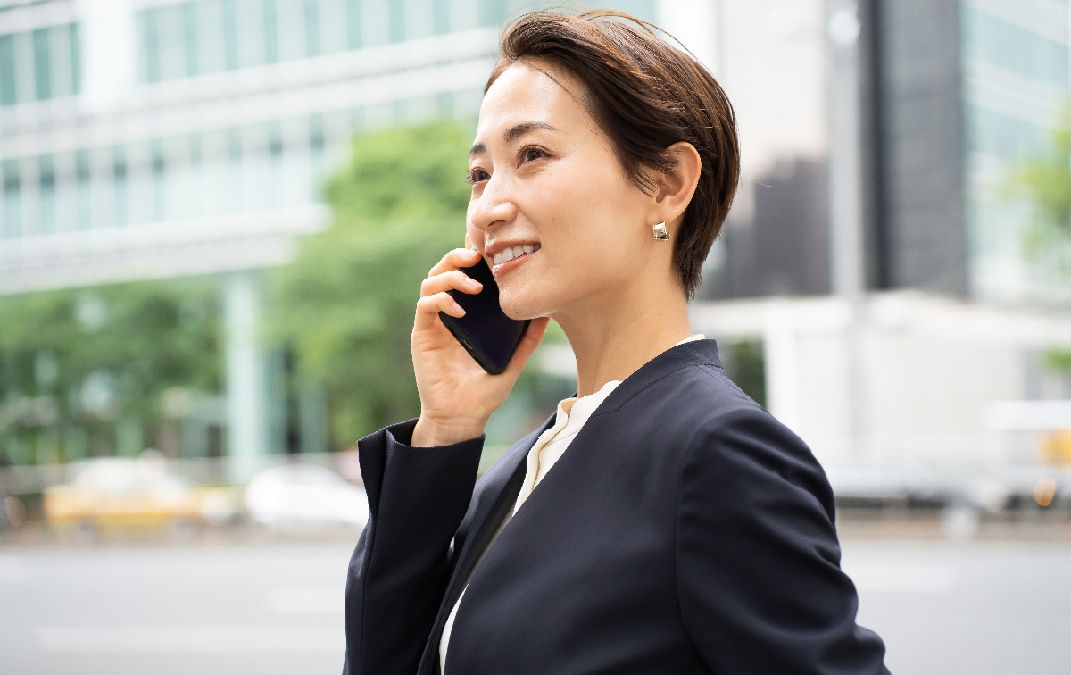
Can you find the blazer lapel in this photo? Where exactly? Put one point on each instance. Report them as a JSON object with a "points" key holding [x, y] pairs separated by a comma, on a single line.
{"points": [[495, 495]]}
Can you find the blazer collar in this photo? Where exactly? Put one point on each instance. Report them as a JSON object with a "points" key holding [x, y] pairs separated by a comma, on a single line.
{"points": [[690, 354]]}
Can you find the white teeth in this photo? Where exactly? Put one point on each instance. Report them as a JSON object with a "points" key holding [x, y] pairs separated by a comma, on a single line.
{"points": [[507, 254]]}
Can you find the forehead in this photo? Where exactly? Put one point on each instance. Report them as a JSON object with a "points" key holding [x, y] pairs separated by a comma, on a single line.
{"points": [[533, 91]]}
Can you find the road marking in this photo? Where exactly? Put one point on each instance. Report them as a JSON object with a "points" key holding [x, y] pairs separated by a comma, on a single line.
{"points": [[328, 600], [190, 639]]}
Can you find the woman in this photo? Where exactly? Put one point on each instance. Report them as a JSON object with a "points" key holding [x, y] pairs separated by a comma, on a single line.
{"points": [[661, 521]]}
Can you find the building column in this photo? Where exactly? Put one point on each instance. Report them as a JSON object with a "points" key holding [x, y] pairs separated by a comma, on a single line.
{"points": [[247, 437], [846, 203]]}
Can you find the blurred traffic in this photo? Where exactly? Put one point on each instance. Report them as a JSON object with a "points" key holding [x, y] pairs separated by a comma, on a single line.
{"points": [[315, 494], [152, 495], [297, 496]]}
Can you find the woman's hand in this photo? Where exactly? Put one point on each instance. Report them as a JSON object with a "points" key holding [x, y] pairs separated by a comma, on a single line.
{"points": [[456, 395]]}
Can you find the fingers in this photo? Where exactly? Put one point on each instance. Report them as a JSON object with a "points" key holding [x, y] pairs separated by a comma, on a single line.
{"points": [[429, 306], [446, 281], [446, 276], [455, 259]]}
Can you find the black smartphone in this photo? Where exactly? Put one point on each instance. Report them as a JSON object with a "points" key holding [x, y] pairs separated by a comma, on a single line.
{"points": [[485, 331]]}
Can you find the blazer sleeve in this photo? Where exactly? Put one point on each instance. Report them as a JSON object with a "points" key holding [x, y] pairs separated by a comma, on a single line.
{"points": [[758, 562], [401, 564]]}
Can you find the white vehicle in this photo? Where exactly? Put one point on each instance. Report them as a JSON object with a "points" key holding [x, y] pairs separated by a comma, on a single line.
{"points": [[303, 496]]}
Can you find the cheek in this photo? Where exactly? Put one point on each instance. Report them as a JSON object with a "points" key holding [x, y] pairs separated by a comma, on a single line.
{"points": [[470, 232]]}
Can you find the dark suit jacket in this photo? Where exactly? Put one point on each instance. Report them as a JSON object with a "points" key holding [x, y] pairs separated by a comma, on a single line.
{"points": [[683, 531]]}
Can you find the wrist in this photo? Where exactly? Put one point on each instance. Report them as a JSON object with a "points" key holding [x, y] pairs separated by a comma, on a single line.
{"points": [[430, 432]]}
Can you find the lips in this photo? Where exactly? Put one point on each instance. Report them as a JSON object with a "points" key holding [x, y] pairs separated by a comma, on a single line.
{"points": [[509, 253]]}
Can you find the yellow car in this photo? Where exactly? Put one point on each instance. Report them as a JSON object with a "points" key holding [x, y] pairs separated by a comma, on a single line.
{"points": [[115, 493]]}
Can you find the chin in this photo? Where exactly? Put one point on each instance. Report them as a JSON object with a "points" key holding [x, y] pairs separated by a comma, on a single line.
{"points": [[517, 309]]}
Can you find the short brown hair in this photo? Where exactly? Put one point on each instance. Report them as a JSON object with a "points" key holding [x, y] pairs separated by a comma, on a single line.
{"points": [[646, 95]]}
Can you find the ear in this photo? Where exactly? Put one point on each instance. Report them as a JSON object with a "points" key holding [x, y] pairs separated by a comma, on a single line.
{"points": [[676, 186]]}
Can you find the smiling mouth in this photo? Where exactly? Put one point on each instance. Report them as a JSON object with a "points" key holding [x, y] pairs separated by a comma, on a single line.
{"points": [[508, 254]]}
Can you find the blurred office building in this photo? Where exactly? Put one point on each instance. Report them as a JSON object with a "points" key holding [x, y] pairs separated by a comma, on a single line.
{"points": [[935, 103], [158, 139], [926, 344]]}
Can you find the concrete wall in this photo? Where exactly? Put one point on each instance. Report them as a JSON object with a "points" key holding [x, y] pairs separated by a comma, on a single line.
{"points": [[898, 379]]}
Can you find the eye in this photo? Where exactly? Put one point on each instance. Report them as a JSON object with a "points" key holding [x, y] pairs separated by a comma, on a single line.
{"points": [[476, 175], [531, 153]]}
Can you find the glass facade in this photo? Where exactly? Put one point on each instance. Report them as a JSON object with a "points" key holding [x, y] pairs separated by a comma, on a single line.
{"points": [[270, 159], [1017, 75], [39, 64]]}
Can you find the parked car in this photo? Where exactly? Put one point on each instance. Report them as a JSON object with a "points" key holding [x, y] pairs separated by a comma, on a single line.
{"points": [[119, 493], [302, 496]]}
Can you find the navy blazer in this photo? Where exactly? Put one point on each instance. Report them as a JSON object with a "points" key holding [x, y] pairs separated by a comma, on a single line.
{"points": [[684, 530]]}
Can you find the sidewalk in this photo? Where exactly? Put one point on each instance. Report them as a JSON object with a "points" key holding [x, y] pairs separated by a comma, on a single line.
{"points": [[935, 524]]}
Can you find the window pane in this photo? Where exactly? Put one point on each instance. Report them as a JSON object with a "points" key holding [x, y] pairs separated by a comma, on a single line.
{"points": [[195, 196], [59, 41], [211, 187], [1002, 44], [353, 24], [150, 40], [255, 167], [7, 70], [441, 17], [66, 193], [189, 39], [492, 12], [121, 209], [101, 188], [230, 35], [46, 194], [276, 156], [210, 37], [159, 179], [83, 204], [397, 21], [75, 39], [11, 195], [172, 43], [271, 31], [250, 31], [312, 28], [235, 155], [42, 64], [332, 26]]}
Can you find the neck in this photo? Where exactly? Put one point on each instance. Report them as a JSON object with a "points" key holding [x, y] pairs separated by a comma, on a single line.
{"points": [[611, 345]]}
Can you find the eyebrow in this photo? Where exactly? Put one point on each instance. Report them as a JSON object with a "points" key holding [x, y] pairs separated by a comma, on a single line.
{"points": [[512, 134]]}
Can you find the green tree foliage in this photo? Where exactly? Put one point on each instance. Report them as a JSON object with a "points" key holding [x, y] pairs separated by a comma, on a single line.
{"points": [[1044, 179], [345, 305], [74, 363]]}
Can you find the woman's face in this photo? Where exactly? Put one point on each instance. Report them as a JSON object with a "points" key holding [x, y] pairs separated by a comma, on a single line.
{"points": [[552, 211]]}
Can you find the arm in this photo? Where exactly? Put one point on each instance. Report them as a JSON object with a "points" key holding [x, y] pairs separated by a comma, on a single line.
{"points": [[402, 562], [758, 560], [419, 477]]}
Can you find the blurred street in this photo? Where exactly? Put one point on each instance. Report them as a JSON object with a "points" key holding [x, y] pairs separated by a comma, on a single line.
{"points": [[173, 609], [991, 604]]}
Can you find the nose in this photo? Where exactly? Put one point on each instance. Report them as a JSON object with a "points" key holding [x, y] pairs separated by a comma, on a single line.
{"points": [[494, 205]]}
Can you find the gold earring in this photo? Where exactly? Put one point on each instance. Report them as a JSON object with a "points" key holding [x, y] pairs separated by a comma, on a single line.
{"points": [[660, 232]]}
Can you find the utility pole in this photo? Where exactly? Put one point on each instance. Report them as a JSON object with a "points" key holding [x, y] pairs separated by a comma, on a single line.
{"points": [[846, 201]]}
